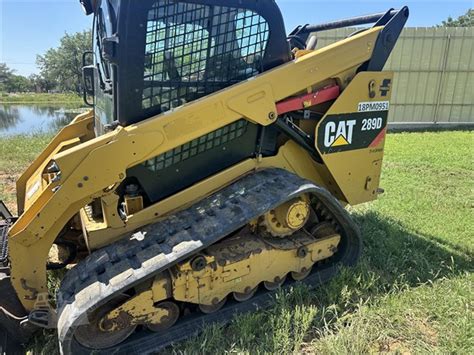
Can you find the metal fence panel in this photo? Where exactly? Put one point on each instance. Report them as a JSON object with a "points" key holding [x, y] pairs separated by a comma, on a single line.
{"points": [[434, 74]]}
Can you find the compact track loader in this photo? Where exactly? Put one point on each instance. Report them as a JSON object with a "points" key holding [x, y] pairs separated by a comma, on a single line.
{"points": [[212, 170]]}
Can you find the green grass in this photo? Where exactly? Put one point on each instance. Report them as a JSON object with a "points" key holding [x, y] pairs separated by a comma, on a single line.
{"points": [[15, 154], [412, 292], [34, 98]]}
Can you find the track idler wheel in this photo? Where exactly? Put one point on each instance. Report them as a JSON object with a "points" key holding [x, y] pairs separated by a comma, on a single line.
{"points": [[245, 296], [212, 308], [94, 336]]}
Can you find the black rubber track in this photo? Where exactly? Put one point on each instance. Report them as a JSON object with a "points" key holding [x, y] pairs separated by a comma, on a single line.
{"points": [[4, 226], [122, 265]]}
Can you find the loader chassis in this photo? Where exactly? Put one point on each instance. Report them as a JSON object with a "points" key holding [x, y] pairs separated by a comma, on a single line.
{"points": [[213, 162]]}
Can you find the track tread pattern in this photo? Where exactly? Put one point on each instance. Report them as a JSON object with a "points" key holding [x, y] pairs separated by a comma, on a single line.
{"points": [[4, 226]]}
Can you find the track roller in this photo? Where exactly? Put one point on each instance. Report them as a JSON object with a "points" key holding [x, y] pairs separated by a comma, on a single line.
{"points": [[167, 321], [213, 308], [245, 296], [298, 276], [277, 282]]}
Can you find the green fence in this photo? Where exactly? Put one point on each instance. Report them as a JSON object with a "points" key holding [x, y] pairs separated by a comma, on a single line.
{"points": [[434, 75]]}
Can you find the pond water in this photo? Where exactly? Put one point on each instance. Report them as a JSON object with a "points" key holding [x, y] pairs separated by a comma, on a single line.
{"points": [[31, 119]]}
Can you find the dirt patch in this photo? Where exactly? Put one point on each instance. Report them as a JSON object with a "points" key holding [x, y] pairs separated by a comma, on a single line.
{"points": [[393, 346], [417, 331], [8, 182], [8, 190], [430, 336]]}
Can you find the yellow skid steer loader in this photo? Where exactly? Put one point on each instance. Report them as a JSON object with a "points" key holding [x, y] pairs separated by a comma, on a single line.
{"points": [[212, 170]]}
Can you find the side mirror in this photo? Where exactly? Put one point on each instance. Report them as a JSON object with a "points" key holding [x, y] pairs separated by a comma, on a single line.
{"points": [[88, 76], [109, 48]]}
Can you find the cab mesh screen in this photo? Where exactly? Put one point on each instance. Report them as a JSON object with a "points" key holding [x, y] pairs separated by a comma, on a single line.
{"points": [[193, 50], [197, 146]]}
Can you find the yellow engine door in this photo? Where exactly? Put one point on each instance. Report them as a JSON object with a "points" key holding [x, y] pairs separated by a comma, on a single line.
{"points": [[351, 136]]}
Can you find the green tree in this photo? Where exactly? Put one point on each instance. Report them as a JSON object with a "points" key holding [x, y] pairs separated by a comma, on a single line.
{"points": [[18, 83], [11, 82], [5, 75], [40, 84], [62, 66], [466, 20]]}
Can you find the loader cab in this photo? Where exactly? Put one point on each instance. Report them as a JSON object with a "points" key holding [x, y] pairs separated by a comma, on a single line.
{"points": [[155, 55], [152, 56]]}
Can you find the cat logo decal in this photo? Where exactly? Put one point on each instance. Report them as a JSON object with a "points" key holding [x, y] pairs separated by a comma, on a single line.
{"points": [[338, 134], [351, 131]]}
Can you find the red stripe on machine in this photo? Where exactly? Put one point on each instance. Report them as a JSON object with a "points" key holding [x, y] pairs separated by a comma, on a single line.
{"points": [[301, 102], [378, 139]]}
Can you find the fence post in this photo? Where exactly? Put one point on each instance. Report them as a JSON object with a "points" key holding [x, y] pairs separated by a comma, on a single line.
{"points": [[442, 76]]}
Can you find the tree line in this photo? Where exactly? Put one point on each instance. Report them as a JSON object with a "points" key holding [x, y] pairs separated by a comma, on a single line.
{"points": [[466, 20], [60, 69]]}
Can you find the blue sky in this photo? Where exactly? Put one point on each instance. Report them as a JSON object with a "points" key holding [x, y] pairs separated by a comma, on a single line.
{"points": [[30, 27]]}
